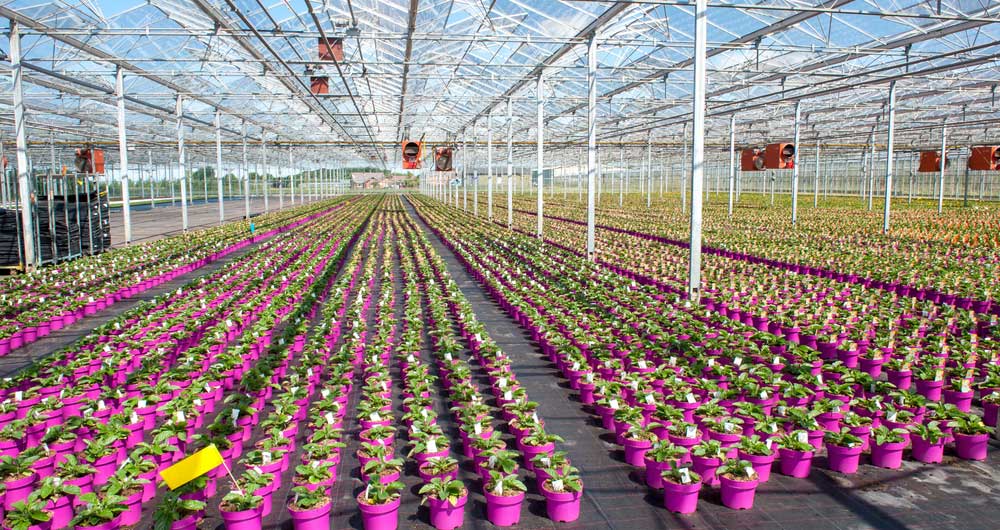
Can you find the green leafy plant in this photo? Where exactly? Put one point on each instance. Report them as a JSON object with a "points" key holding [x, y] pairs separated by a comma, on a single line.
{"points": [[792, 442], [443, 490], [504, 485], [305, 499], [27, 513], [377, 493], [844, 438], [664, 451], [564, 478], [440, 465], [240, 501], [680, 475], [970, 424], [882, 435], [95, 510], [736, 469], [929, 432], [753, 445]]}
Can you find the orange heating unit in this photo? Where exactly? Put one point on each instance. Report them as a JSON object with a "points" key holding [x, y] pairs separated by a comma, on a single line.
{"points": [[752, 159], [930, 162], [985, 158], [413, 152], [779, 156]]}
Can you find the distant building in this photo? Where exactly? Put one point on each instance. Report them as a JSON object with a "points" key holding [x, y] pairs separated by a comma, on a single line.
{"points": [[365, 181]]}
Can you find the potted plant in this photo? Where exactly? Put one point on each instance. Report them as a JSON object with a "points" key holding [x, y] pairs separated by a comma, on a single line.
{"points": [[382, 470], [28, 514], [313, 476], [438, 467], [241, 510], [843, 451], [795, 454], [661, 457], [887, 447], [177, 513], [446, 499], [706, 457], [680, 489], [98, 512], [562, 492], [636, 441], [309, 509], [18, 478], [971, 436], [57, 497], [738, 484], [759, 453], [379, 505], [504, 495], [927, 442]]}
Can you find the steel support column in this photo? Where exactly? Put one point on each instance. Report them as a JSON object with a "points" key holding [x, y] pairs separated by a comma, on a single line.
{"points": [[539, 96], [181, 162], [510, 164], [697, 148], [888, 157], [591, 144], [123, 154], [219, 174], [795, 167], [732, 160], [944, 157], [31, 258]]}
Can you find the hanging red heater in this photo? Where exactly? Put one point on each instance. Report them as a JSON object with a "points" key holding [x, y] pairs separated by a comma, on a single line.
{"points": [[413, 152], [443, 158], [319, 85], [985, 158], [752, 159], [779, 156], [90, 161], [331, 49], [930, 162]]}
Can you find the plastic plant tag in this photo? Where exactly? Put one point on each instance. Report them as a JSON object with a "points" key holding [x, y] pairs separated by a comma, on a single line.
{"points": [[477, 428], [642, 364], [134, 418], [690, 398], [409, 358], [750, 472], [691, 431], [325, 393], [498, 488], [738, 361], [19, 396], [180, 416], [769, 442], [265, 457], [672, 361], [711, 361], [557, 485], [650, 399], [432, 446], [197, 402], [374, 416], [508, 395], [101, 405], [613, 403], [685, 475], [803, 437], [891, 416], [763, 394], [330, 418], [502, 382], [965, 386], [447, 356], [546, 461], [939, 374]]}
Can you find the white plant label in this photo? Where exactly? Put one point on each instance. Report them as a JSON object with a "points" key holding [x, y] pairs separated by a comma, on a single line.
{"points": [[738, 361], [803, 437], [613, 403], [265, 457], [750, 472], [508, 395], [19, 396], [642, 364], [330, 418], [374, 416], [477, 428], [325, 393], [557, 485], [685, 475], [690, 398], [498, 488], [546, 461], [769, 442], [180, 416], [432, 446], [649, 399], [691, 431], [134, 418]]}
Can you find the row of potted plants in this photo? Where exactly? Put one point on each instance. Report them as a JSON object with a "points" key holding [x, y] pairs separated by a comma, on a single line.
{"points": [[591, 356], [49, 298]]}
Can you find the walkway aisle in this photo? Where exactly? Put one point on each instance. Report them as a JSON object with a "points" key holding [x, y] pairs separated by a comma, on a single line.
{"points": [[615, 494]]}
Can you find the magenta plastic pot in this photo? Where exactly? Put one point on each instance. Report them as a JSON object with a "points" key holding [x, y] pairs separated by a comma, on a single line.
{"points": [[923, 451], [930, 389], [654, 470], [503, 510], [635, 451], [110, 525], [971, 446], [445, 516], [888, 456], [794, 463], [843, 459], [188, 523], [530, 451], [864, 432], [761, 464], [961, 400], [133, 510], [706, 467], [375, 517], [18, 490], [315, 519], [243, 520], [62, 512], [562, 507], [681, 498], [738, 494]]}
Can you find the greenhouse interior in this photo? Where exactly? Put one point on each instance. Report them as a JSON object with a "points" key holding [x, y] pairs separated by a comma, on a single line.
{"points": [[541, 264]]}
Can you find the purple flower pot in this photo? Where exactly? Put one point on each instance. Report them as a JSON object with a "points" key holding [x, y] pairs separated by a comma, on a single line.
{"points": [[62, 512], [654, 472], [888, 456], [923, 451], [843, 459], [930, 389], [794, 463], [445, 516], [18, 490], [243, 520], [503, 510], [761, 464], [706, 467], [681, 498], [635, 451], [738, 494], [562, 507], [971, 446], [961, 400], [319, 518]]}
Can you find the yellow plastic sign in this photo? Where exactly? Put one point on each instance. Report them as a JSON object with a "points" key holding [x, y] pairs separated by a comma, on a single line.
{"points": [[192, 467]]}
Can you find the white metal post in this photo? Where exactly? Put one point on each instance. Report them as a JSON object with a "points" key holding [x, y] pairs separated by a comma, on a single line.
{"points": [[489, 165], [649, 168], [684, 172], [123, 154], [245, 169], [540, 87], [871, 173], [621, 174], [291, 176], [697, 148], [20, 131], [475, 169], [219, 174], [263, 169], [181, 162], [944, 157], [510, 164], [795, 166], [732, 160], [816, 177], [888, 157], [591, 144]]}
